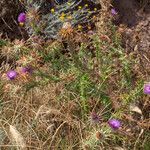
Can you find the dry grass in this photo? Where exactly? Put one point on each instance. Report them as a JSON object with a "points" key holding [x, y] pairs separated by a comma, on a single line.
{"points": [[17, 138], [50, 108]]}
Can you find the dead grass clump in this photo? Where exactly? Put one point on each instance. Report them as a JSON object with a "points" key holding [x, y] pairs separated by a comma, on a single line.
{"points": [[17, 138]]}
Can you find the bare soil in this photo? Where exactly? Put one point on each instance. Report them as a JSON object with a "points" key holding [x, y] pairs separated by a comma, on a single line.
{"points": [[134, 18]]}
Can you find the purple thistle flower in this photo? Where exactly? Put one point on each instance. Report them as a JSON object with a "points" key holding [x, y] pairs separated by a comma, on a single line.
{"points": [[22, 17], [27, 69], [11, 74], [94, 117], [147, 88], [113, 12], [114, 123]]}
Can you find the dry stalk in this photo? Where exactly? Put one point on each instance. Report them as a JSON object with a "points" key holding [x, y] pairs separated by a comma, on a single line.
{"points": [[17, 138]]}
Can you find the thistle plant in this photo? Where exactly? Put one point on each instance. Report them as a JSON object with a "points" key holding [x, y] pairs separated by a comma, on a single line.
{"points": [[99, 138], [47, 18]]}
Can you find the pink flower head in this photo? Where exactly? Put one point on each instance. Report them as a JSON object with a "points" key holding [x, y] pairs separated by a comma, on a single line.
{"points": [[11, 74], [26, 69], [94, 117], [22, 17], [113, 12], [114, 123], [147, 88]]}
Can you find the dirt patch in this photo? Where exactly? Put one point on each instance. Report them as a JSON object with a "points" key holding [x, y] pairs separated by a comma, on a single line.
{"points": [[135, 15], [128, 11], [9, 11]]}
